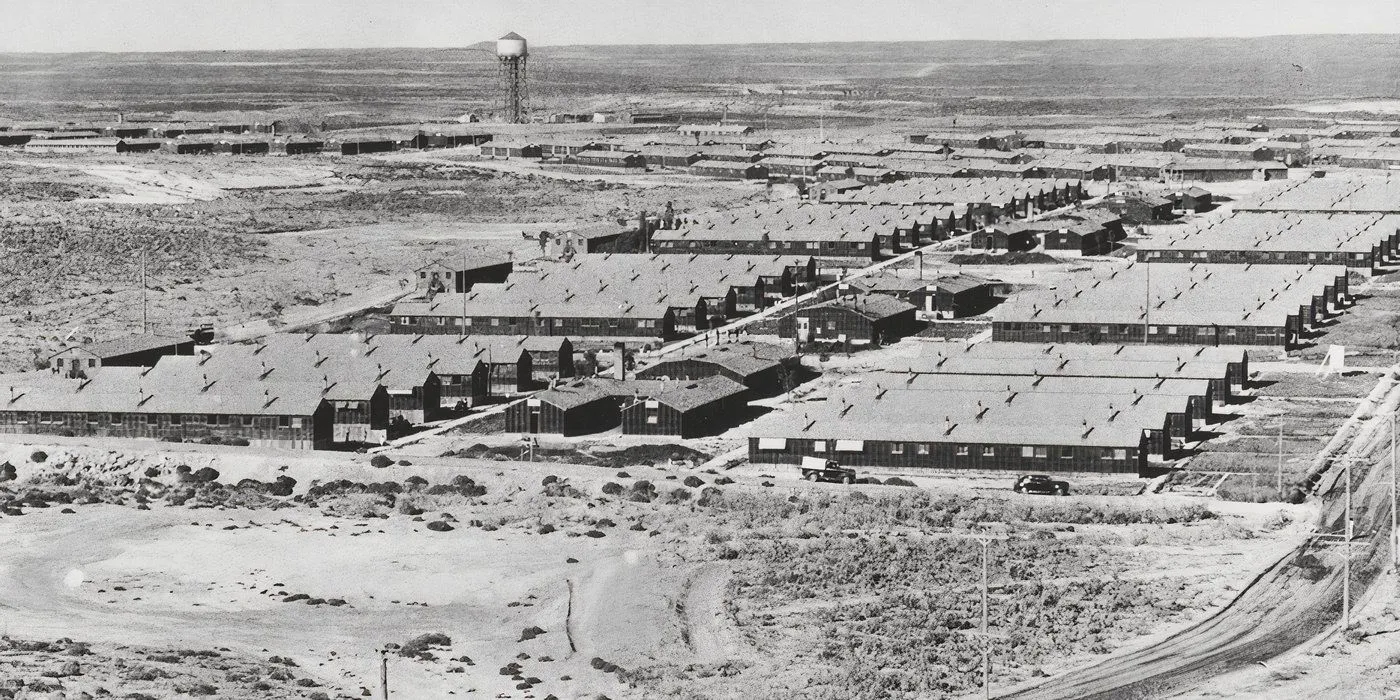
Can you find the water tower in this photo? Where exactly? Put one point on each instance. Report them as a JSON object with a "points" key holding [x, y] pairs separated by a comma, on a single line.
{"points": [[512, 53]]}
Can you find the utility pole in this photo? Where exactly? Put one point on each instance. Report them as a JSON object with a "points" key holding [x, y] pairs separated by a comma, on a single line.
{"points": [[1346, 563], [1280, 454], [1147, 308], [1346, 536], [1394, 554], [986, 641], [985, 540], [144, 323], [384, 674], [463, 276]]}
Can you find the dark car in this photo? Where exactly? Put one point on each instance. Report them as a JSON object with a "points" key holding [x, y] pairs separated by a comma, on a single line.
{"points": [[1041, 484]]}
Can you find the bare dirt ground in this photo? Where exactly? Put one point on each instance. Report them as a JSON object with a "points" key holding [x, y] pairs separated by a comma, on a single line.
{"points": [[1240, 458], [666, 584], [1360, 663], [256, 243]]}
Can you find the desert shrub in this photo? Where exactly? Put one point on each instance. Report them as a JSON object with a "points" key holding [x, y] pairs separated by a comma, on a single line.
{"points": [[144, 673], [38, 456], [440, 526], [237, 441], [415, 482], [896, 481], [594, 534], [893, 590], [530, 633], [612, 488], [419, 646], [380, 461], [561, 488], [678, 496], [723, 481], [205, 475], [405, 463], [282, 486], [460, 485], [642, 491], [545, 529], [1278, 520], [343, 487], [694, 482], [919, 508]]}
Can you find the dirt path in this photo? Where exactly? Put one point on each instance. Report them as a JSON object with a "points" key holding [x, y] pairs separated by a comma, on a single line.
{"points": [[1290, 603], [123, 576], [711, 635], [625, 611], [301, 317], [531, 167]]}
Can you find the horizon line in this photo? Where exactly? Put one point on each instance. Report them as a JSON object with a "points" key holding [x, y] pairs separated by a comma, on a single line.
{"points": [[476, 45]]}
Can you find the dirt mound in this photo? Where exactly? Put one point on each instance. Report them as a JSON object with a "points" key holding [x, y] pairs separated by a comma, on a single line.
{"points": [[629, 456], [1031, 258], [652, 454], [76, 669]]}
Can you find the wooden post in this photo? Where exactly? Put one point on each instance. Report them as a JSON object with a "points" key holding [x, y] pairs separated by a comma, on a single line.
{"points": [[384, 674]]}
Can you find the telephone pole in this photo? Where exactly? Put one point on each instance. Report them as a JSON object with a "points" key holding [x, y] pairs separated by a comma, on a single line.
{"points": [[1345, 537], [144, 324], [1147, 308], [1346, 563], [384, 674], [985, 541], [986, 641]]}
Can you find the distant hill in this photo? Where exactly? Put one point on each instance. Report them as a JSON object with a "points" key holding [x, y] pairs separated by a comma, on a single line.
{"points": [[1215, 70], [1321, 65]]}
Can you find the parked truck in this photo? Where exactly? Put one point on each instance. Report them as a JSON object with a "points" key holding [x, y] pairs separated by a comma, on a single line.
{"points": [[818, 469]]}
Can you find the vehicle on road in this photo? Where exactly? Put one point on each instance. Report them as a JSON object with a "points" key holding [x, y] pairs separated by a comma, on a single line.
{"points": [[818, 469], [1041, 484]]}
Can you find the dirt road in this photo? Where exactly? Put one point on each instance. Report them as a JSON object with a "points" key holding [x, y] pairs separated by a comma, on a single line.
{"points": [[710, 631], [1291, 602]]}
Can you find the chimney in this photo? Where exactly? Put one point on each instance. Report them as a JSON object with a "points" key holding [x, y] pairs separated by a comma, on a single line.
{"points": [[620, 367]]}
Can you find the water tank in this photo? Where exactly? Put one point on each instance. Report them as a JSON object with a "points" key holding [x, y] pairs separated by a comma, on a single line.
{"points": [[511, 45]]}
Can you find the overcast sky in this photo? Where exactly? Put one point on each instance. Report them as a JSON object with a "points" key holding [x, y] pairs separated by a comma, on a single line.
{"points": [[172, 25]]}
